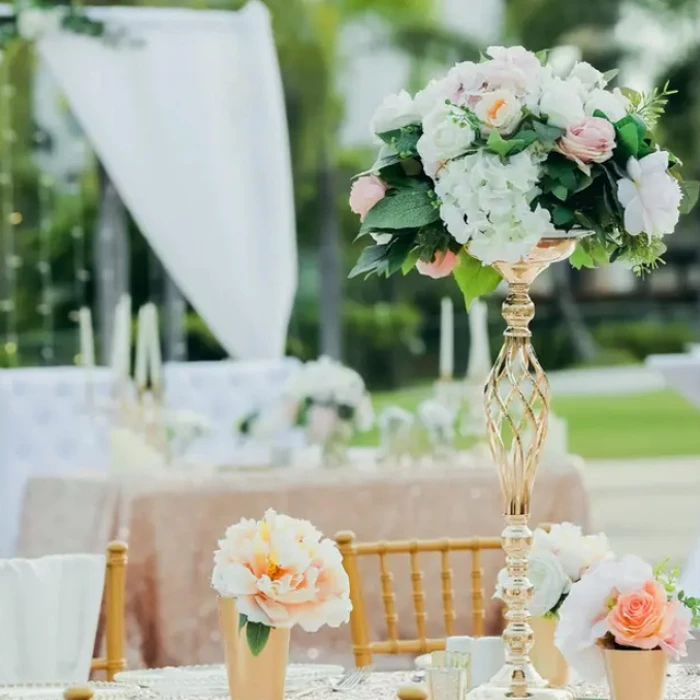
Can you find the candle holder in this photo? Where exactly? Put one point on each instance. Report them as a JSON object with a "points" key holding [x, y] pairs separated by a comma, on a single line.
{"points": [[517, 405]]}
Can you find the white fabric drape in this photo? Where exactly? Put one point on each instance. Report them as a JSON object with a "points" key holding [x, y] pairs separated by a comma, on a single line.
{"points": [[190, 125], [49, 609]]}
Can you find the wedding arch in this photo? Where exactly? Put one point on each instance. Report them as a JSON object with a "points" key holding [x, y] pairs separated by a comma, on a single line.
{"points": [[187, 119]]}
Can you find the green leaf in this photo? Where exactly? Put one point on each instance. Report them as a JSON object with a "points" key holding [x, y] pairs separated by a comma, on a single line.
{"points": [[560, 192], [403, 140], [473, 278], [369, 258], [632, 95], [497, 144], [410, 262], [580, 258], [546, 133], [410, 207], [610, 74], [629, 138], [399, 249], [242, 621], [600, 114], [562, 216], [542, 56], [691, 190], [257, 635]]}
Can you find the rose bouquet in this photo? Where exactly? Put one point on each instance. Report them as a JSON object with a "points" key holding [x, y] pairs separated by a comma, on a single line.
{"points": [[281, 573], [487, 161], [559, 558], [624, 605]]}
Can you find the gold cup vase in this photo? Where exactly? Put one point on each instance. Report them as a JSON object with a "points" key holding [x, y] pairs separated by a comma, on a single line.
{"points": [[636, 674], [516, 399], [250, 677]]}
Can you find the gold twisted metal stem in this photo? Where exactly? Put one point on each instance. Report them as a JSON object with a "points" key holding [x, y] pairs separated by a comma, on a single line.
{"points": [[517, 407]]}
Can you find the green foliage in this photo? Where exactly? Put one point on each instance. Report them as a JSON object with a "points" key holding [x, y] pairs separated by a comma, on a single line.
{"points": [[474, 278], [408, 208], [257, 635], [643, 338]]}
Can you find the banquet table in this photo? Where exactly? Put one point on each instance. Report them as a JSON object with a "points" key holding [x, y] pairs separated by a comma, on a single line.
{"points": [[172, 525], [680, 685]]}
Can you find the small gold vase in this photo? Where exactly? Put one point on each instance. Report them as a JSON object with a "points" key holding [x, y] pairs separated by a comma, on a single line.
{"points": [[547, 659], [252, 677], [636, 674]]}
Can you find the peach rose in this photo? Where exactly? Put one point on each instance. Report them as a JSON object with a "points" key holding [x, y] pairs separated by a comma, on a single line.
{"points": [[642, 619], [366, 191], [591, 140], [442, 265], [679, 633], [282, 573]]}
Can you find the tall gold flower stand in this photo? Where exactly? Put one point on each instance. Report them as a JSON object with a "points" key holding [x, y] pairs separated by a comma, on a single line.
{"points": [[517, 404]]}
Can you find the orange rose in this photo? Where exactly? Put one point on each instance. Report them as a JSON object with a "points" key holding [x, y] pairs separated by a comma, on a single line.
{"points": [[642, 618]]}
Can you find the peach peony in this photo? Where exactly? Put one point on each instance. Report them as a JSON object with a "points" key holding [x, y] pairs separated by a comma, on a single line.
{"points": [[442, 265], [591, 140], [641, 618], [366, 191], [282, 573]]}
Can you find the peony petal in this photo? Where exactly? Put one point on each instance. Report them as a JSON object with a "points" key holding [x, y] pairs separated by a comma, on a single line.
{"points": [[634, 217], [626, 191], [655, 162]]}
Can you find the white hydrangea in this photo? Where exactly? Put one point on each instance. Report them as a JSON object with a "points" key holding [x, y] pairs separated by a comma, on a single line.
{"points": [[561, 102], [446, 135], [395, 112], [487, 203], [613, 104], [436, 92], [590, 77]]}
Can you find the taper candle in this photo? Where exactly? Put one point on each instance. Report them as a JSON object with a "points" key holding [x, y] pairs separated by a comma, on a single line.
{"points": [[447, 339], [479, 351], [87, 340], [154, 351], [142, 335]]}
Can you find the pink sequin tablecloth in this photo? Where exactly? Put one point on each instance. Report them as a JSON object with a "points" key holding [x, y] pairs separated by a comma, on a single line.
{"points": [[172, 524]]}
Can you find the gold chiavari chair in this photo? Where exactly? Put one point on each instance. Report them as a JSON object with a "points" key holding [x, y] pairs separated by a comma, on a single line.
{"points": [[114, 603], [363, 648]]}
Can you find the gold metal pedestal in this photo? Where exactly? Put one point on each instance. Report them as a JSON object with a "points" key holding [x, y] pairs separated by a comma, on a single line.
{"points": [[517, 405]]}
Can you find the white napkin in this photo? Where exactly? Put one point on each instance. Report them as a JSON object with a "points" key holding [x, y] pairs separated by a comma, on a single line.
{"points": [[49, 610]]}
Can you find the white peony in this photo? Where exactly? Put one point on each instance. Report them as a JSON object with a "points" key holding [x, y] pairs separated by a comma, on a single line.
{"points": [[518, 56], [613, 104], [500, 110], [436, 92], [561, 103], [590, 77], [446, 135], [582, 616], [395, 112], [548, 579], [33, 22], [453, 217], [468, 78], [576, 552], [651, 197]]}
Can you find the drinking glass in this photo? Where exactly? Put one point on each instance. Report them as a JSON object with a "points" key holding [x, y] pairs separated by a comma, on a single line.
{"points": [[448, 675]]}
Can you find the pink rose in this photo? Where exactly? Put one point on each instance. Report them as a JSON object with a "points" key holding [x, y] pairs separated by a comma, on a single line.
{"points": [[675, 642], [642, 619], [366, 191], [591, 140], [442, 265]]}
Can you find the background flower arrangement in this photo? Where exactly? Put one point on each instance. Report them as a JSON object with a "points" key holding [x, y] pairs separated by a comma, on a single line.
{"points": [[559, 558], [281, 573], [322, 396], [624, 605], [482, 164]]}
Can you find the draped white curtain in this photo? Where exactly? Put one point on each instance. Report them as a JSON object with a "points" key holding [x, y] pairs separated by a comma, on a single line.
{"points": [[190, 125]]}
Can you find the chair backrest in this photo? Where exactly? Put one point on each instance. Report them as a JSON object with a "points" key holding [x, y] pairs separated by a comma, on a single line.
{"points": [[363, 647], [114, 605]]}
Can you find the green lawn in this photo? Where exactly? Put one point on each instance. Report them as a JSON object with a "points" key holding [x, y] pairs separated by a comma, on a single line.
{"points": [[655, 424]]}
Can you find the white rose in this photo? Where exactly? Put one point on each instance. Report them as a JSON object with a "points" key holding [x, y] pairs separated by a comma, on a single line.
{"points": [[590, 77], [445, 135], [548, 580], [613, 104], [436, 92], [394, 112], [468, 78], [561, 103], [500, 110]]}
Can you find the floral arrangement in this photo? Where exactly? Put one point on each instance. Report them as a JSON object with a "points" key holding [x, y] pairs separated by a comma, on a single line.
{"points": [[495, 156], [624, 604], [322, 396], [33, 19], [559, 558], [281, 573]]}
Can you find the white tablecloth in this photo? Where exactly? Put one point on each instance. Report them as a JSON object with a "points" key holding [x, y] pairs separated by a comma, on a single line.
{"points": [[51, 423], [681, 372]]}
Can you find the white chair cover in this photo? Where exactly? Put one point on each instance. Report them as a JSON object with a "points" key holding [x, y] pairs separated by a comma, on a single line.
{"points": [[49, 610]]}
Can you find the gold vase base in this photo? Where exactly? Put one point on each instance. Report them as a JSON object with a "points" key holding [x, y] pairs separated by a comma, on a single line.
{"points": [[490, 692]]}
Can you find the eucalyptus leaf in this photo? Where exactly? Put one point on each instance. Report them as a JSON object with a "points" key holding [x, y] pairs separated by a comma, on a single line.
{"points": [[546, 133], [474, 278], [242, 621], [403, 140], [691, 190], [257, 635]]}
